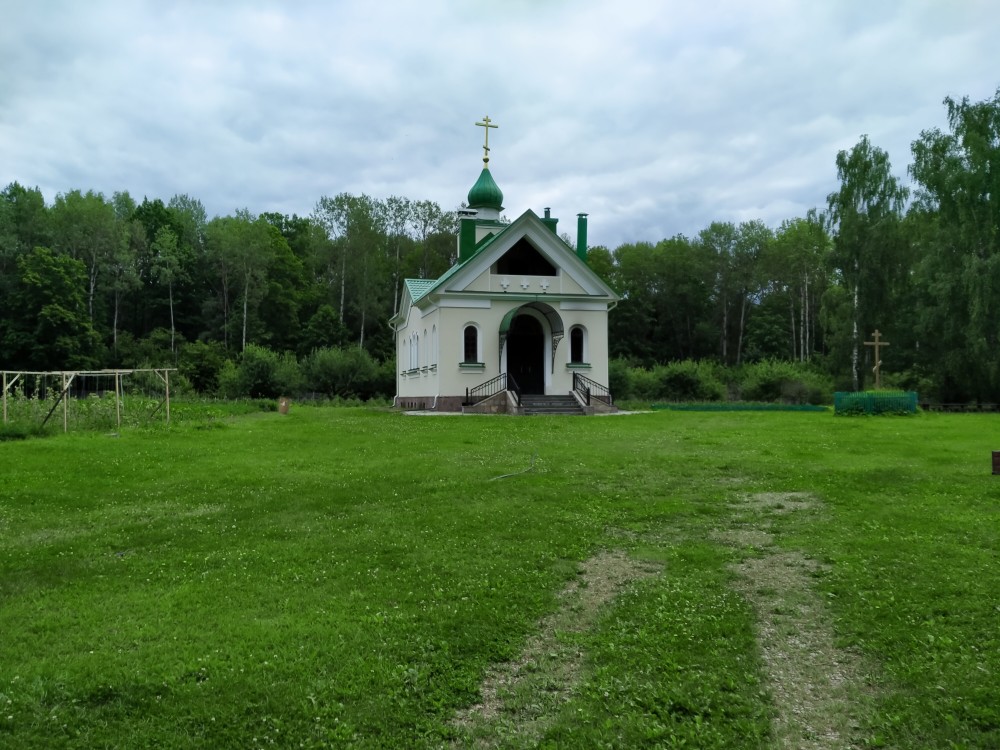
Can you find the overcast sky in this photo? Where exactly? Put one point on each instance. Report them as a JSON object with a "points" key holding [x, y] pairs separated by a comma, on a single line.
{"points": [[655, 117]]}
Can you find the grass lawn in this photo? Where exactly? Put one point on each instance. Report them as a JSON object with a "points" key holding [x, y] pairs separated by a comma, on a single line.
{"points": [[350, 577]]}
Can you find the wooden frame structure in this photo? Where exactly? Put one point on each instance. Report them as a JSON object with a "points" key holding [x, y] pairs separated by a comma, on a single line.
{"points": [[65, 379]]}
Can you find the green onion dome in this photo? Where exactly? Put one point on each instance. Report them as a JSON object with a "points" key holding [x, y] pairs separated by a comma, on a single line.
{"points": [[485, 193]]}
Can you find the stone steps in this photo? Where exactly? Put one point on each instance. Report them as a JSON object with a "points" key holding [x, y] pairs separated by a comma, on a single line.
{"points": [[536, 405]]}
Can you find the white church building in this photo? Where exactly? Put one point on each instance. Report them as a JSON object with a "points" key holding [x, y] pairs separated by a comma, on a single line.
{"points": [[518, 325]]}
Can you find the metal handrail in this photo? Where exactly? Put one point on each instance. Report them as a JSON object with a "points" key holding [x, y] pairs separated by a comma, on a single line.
{"points": [[514, 388], [484, 390], [591, 389]]}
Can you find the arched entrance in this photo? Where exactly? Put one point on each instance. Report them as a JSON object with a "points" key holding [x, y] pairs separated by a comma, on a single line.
{"points": [[526, 353], [529, 336]]}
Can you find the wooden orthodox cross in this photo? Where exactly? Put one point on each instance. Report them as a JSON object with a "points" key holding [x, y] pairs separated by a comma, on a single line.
{"points": [[877, 344], [486, 125]]}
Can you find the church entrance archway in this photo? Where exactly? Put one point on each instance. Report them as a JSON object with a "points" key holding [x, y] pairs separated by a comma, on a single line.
{"points": [[526, 353]]}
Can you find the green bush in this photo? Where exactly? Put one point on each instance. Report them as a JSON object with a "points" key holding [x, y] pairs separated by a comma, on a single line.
{"points": [[200, 363], [151, 384], [258, 373], [384, 385], [17, 432], [772, 380], [349, 372], [229, 381], [689, 381], [619, 379], [643, 384], [288, 377]]}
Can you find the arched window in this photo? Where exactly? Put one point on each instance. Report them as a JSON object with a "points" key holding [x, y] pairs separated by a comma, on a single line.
{"points": [[427, 353], [416, 351], [577, 345], [470, 344], [434, 345]]}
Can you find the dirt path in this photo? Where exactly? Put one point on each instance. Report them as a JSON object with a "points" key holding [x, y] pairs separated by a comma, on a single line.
{"points": [[520, 698], [814, 684], [812, 680]]}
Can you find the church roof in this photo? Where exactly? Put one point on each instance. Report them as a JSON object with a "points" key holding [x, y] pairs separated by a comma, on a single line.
{"points": [[487, 197], [418, 287], [486, 193]]}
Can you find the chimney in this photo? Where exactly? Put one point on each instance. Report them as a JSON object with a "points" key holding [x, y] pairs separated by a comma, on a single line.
{"points": [[550, 222], [581, 237], [466, 234]]}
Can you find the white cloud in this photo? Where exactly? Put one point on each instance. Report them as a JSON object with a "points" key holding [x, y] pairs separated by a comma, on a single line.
{"points": [[655, 117]]}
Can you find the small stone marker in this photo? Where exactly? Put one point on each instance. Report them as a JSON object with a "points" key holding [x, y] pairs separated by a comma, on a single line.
{"points": [[283, 404]]}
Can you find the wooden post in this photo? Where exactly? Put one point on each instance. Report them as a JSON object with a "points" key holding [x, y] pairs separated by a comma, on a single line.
{"points": [[118, 408], [65, 398], [5, 397], [166, 382]]}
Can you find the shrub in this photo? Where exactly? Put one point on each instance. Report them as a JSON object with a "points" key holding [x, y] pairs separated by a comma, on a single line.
{"points": [[17, 432], [258, 373], [288, 377], [619, 379], [384, 384], [346, 373], [229, 381], [200, 363], [151, 384], [644, 384], [689, 381], [786, 382]]}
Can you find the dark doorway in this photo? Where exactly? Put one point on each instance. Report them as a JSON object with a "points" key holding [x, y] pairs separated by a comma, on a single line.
{"points": [[526, 354]]}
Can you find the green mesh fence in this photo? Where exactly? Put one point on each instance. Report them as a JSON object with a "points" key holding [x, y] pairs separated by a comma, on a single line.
{"points": [[725, 406], [874, 402]]}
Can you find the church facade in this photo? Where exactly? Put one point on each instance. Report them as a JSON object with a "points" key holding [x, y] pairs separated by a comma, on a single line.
{"points": [[520, 314]]}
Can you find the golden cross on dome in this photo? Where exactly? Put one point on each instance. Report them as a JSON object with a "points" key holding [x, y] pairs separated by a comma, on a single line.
{"points": [[486, 124]]}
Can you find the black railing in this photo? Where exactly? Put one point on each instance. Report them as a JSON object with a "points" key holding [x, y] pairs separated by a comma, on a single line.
{"points": [[500, 383], [514, 388], [591, 389]]}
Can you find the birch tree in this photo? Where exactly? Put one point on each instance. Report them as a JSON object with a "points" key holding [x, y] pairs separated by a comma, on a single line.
{"points": [[865, 215]]}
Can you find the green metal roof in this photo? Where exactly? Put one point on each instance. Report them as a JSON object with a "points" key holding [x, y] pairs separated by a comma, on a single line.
{"points": [[421, 287], [483, 244], [486, 193], [543, 307], [418, 287]]}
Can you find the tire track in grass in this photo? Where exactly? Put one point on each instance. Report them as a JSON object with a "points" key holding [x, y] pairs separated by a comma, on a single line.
{"points": [[521, 698], [814, 684]]}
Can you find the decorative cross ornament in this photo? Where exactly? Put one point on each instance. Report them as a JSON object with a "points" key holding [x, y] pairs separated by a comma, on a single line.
{"points": [[525, 284], [877, 344], [544, 284], [505, 282], [486, 125]]}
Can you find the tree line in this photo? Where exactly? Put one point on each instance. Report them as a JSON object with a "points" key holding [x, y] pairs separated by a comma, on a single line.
{"points": [[90, 281]]}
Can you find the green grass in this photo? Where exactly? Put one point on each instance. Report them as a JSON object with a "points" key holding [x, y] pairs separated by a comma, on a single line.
{"points": [[346, 577]]}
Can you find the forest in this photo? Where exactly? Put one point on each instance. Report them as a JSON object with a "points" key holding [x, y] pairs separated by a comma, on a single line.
{"points": [[91, 281]]}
